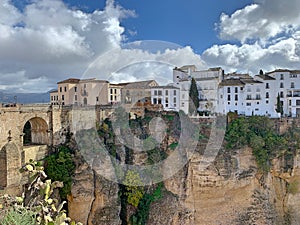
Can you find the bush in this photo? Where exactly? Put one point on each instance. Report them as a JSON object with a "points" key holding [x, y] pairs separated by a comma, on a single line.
{"points": [[60, 166]]}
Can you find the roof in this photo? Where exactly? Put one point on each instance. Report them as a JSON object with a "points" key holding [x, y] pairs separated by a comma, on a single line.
{"points": [[53, 91], [139, 84], [251, 81], [278, 71], [92, 80], [70, 81], [166, 87], [265, 77], [238, 75], [232, 82]]}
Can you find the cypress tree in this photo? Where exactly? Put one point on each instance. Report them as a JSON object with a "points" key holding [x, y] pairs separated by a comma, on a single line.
{"points": [[194, 97], [279, 107]]}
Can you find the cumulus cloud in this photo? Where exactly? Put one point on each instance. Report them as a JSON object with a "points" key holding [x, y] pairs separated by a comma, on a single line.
{"points": [[267, 36], [48, 41]]}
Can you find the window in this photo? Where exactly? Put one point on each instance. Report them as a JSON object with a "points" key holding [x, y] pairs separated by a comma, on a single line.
{"points": [[292, 85], [75, 97], [115, 91], [174, 100], [97, 99], [236, 98], [267, 95], [267, 86], [249, 89], [111, 91], [155, 92], [159, 92], [154, 100], [63, 97], [228, 103], [51, 98], [65, 89], [167, 92], [75, 89], [174, 92], [248, 104], [290, 102], [281, 94], [111, 98], [182, 104], [228, 90], [257, 103], [297, 102], [257, 96], [281, 76], [228, 98], [236, 90], [248, 97], [281, 85], [242, 88], [256, 109], [60, 89], [267, 102], [115, 98]]}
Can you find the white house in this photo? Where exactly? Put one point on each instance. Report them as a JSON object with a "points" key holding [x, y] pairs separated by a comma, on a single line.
{"points": [[168, 96]]}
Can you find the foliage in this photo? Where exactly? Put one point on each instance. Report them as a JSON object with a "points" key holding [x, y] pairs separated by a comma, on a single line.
{"points": [[142, 214], [37, 206], [174, 145], [258, 133], [194, 97], [134, 190], [60, 166]]}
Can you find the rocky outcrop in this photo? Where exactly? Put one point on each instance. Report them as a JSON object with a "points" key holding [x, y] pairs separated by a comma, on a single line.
{"points": [[93, 199]]}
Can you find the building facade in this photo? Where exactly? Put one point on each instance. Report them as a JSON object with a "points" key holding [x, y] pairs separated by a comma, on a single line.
{"points": [[168, 96]]}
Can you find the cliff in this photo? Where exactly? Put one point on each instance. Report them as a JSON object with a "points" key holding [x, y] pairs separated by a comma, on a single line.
{"points": [[233, 189]]}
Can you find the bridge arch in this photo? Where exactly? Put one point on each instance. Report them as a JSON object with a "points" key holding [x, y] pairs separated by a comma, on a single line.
{"points": [[35, 131]]}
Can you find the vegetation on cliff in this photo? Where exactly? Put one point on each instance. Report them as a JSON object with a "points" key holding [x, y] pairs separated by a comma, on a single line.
{"points": [[259, 133]]}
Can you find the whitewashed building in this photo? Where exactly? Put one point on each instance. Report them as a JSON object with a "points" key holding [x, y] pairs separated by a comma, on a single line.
{"points": [[207, 83], [168, 96]]}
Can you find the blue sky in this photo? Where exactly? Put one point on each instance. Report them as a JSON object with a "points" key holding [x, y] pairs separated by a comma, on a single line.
{"points": [[183, 22], [45, 41]]}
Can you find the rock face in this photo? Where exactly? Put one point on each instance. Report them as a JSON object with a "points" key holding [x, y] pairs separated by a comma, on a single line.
{"points": [[232, 191], [93, 200], [228, 191]]}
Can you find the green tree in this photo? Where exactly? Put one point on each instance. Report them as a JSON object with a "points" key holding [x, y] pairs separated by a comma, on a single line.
{"points": [[134, 188], [279, 106], [194, 97]]}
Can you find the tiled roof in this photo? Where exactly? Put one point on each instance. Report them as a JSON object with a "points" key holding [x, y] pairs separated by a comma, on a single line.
{"points": [[70, 80], [232, 82], [139, 84], [251, 81], [265, 77]]}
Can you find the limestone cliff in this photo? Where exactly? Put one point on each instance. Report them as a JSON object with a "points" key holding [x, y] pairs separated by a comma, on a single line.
{"points": [[229, 191]]}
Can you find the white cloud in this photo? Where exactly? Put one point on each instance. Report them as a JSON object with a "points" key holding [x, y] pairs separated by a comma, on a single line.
{"points": [[267, 36], [261, 21], [48, 39], [48, 42]]}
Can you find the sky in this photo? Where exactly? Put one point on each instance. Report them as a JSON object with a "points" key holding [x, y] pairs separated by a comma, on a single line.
{"points": [[46, 41]]}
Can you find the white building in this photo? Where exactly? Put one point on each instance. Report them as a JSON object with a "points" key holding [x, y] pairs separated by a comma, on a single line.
{"points": [[207, 83], [168, 96], [287, 85]]}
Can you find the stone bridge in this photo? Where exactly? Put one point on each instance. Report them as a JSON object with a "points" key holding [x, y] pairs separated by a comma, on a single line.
{"points": [[26, 132]]}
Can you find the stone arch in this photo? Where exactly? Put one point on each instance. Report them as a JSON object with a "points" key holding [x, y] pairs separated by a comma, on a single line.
{"points": [[10, 163], [35, 131]]}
